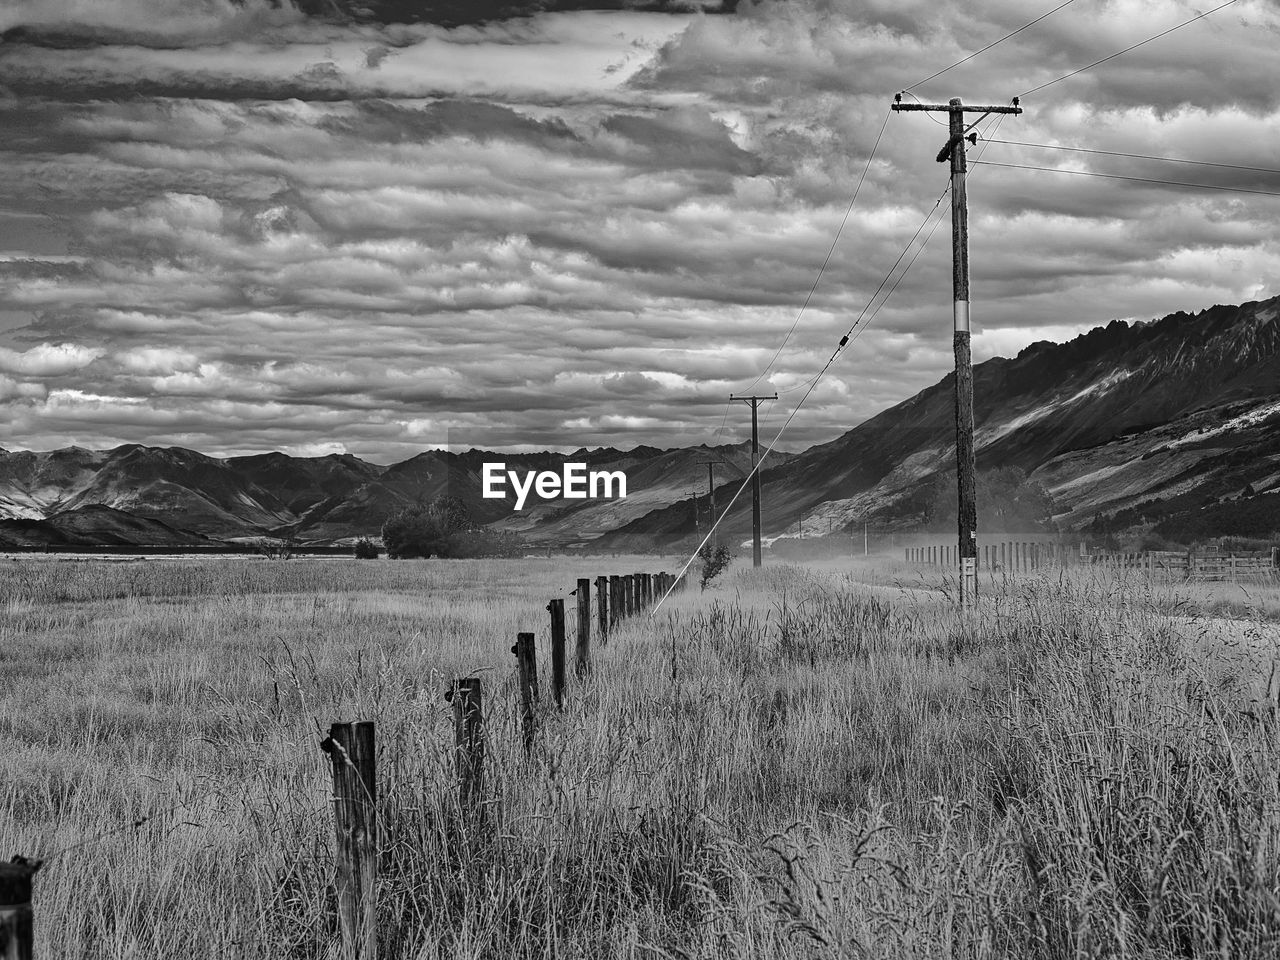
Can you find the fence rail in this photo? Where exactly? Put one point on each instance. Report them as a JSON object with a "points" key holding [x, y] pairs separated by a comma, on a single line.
{"points": [[1025, 556]]}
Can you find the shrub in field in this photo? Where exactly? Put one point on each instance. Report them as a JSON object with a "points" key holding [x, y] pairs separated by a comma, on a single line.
{"points": [[366, 549], [426, 531], [413, 532], [444, 528], [715, 560], [277, 548]]}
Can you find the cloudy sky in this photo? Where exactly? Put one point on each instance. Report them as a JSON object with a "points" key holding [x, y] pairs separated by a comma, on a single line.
{"points": [[244, 226]]}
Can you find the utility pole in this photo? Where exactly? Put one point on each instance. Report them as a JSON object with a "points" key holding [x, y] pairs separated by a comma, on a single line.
{"points": [[866, 549], [967, 515], [711, 494], [755, 475]]}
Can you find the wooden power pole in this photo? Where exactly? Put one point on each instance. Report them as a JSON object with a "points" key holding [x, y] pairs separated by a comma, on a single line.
{"points": [[755, 474], [967, 518], [711, 497]]}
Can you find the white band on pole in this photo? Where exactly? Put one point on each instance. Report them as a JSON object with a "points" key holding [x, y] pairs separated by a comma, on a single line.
{"points": [[961, 316]]}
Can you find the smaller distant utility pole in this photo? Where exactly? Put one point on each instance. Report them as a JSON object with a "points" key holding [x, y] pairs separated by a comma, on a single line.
{"points": [[711, 496], [967, 519], [755, 474], [866, 550]]}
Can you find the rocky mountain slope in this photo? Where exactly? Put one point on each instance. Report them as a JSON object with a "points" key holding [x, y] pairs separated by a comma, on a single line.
{"points": [[94, 526], [1171, 415]]}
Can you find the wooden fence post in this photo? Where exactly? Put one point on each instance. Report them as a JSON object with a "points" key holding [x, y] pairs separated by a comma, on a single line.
{"points": [[355, 793], [615, 600], [582, 651], [17, 917], [527, 667], [629, 586], [602, 609], [557, 650], [468, 741]]}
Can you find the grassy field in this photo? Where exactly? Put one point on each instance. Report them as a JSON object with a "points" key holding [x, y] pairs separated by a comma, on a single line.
{"points": [[822, 761]]}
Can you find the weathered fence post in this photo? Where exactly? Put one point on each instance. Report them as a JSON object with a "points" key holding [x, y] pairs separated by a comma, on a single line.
{"points": [[629, 587], [468, 741], [557, 650], [615, 600], [17, 918], [527, 667], [602, 609], [355, 794], [582, 651]]}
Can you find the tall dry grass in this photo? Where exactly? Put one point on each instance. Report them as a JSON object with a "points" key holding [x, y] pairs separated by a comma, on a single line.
{"points": [[798, 764]]}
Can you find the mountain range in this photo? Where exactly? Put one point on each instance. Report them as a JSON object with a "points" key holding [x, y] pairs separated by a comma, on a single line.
{"points": [[1129, 424]]}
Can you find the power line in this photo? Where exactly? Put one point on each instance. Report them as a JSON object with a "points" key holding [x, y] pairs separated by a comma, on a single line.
{"points": [[851, 335], [934, 76], [1090, 66], [1116, 176], [812, 384], [723, 420], [854, 335], [941, 123], [1134, 156], [830, 252]]}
